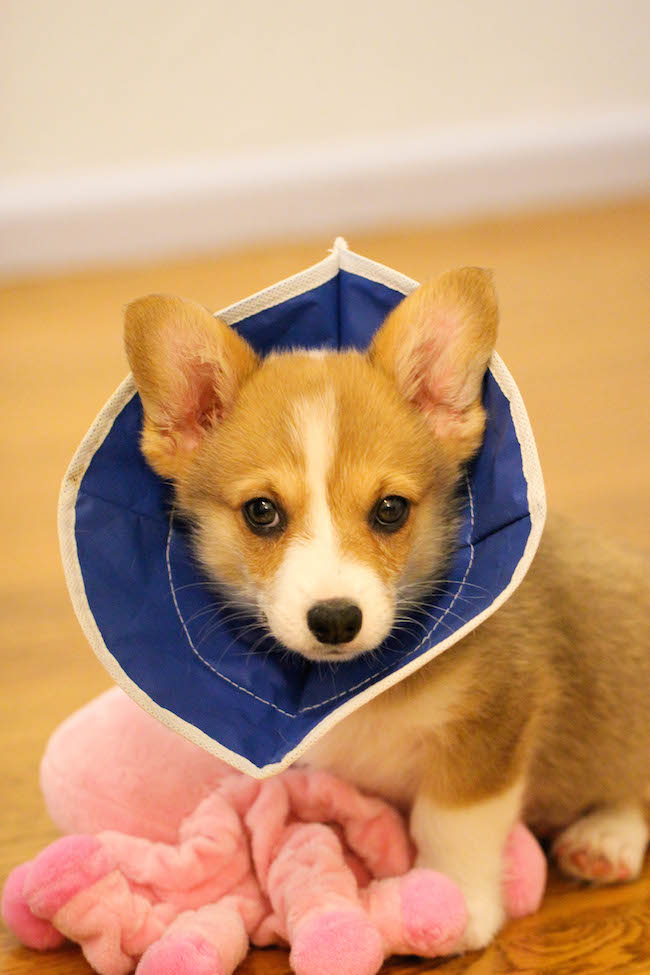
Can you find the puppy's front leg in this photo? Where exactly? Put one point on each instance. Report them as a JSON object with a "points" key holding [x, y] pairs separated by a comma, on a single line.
{"points": [[466, 843]]}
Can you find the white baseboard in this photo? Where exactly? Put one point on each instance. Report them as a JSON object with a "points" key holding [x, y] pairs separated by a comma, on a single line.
{"points": [[175, 209]]}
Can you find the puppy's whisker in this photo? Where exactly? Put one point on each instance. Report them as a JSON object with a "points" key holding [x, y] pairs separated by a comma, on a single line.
{"points": [[258, 643], [218, 611], [424, 626], [197, 585], [405, 626], [216, 620], [240, 632], [246, 651], [411, 621], [465, 599], [464, 584]]}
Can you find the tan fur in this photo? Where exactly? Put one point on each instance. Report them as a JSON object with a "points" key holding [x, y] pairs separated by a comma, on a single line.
{"points": [[251, 452], [554, 686], [546, 704], [371, 461]]}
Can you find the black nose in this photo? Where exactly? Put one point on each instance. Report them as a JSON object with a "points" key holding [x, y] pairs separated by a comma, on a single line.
{"points": [[334, 620]]}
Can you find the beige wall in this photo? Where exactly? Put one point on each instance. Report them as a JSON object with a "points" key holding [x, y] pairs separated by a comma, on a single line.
{"points": [[90, 84]]}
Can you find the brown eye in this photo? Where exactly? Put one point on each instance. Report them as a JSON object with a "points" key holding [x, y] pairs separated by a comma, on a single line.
{"points": [[263, 516], [389, 514]]}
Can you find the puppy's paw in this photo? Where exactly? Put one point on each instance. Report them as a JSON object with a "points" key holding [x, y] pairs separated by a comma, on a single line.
{"points": [[606, 846], [485, 917]]}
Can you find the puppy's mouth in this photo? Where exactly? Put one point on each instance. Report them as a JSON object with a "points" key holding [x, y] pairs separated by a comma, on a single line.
{"points": [[318, 652], [332, 630], [307, 646], [333, 654]]}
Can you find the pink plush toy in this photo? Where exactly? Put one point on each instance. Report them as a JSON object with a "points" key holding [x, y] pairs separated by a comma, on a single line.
{"points": [[179, 861]]}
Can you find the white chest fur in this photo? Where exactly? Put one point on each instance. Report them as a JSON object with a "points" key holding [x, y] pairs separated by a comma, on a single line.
{"points": [[378, 759], [383, 746]]}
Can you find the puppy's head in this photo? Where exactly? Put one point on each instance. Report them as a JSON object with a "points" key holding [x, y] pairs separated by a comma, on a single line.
{"points": [[320, 486]]}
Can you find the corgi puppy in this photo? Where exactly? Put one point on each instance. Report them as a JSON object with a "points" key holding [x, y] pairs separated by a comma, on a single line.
{"points": [[321, 489]]}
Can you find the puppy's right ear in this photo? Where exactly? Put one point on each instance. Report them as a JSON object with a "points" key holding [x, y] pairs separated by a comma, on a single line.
{"points": [[436, 345], [188, 367]]}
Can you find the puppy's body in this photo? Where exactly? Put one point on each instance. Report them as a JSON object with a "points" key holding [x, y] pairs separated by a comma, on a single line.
{"points": [[544, 706], [551, 687], [328, 483]]}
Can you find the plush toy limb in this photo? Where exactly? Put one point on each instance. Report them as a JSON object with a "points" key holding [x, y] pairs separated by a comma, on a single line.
{"points": [[422, 913], [315, 899], [210, 941], [210, 859], [302, 869], [114, 894], [524, 873], [32, 931], [372, 828], [74, 887], [112, 924]]}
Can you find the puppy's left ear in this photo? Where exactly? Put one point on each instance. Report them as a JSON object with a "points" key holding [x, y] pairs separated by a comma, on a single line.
{"points": [[189, 368], [436, 346]]}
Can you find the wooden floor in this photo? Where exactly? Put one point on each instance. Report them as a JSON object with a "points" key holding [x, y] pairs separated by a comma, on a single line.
{"points": [[575, 298]]}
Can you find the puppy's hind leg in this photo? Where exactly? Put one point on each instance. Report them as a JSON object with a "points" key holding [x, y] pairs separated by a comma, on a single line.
{"points": [[605, 846]]}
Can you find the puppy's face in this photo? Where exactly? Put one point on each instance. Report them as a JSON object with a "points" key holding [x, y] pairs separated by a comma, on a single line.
{"points": [[320, 500], [320, 486]]}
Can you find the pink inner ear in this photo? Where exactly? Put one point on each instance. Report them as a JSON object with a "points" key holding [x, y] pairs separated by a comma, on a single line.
{"points": [[440, 385], [198, 401], [432, 377], [208, 380]]}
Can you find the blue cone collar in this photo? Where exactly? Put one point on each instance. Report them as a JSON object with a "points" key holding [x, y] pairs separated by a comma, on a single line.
{"points": [[163, 634]]}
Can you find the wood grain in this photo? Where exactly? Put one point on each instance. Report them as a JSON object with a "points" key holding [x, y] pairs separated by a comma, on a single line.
{"points": [[575, 301]]}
